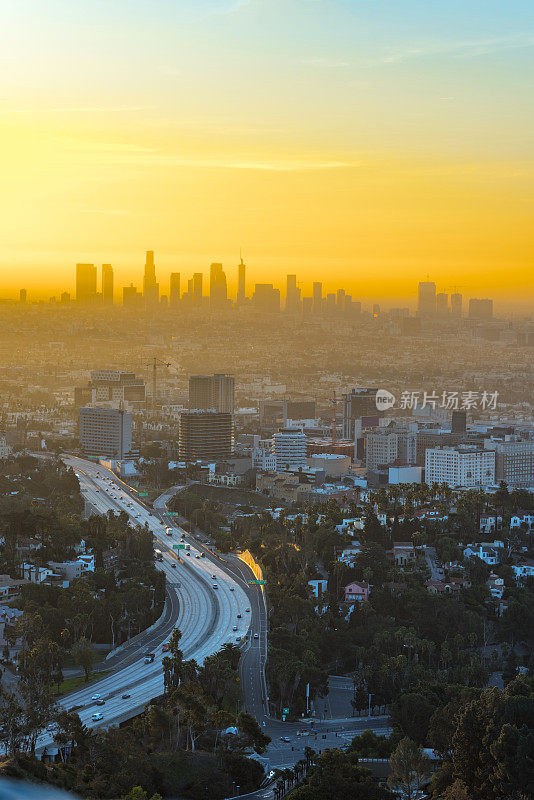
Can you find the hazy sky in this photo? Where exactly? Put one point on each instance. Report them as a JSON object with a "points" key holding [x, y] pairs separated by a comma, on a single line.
{"points": [[367, 143]]}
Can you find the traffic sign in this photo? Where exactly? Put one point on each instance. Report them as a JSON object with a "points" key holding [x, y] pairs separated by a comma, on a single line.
{"points": [[178, 547], [256, 583], [285, 711], [143, 494]]}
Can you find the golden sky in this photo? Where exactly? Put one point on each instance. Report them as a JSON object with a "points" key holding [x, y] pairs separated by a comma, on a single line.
{"points": [[365, 143]]}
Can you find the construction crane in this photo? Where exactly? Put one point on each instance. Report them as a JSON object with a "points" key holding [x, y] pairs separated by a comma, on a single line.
{"points": [[155, 363], [334, 401]]}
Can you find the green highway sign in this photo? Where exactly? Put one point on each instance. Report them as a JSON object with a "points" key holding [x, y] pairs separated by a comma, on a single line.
{"points": [[178, 547], [285, 711], [143, 494], [256, 583]]}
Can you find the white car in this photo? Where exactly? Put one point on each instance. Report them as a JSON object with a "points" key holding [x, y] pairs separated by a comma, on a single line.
{"points": [[95, 697], [97, 716]]}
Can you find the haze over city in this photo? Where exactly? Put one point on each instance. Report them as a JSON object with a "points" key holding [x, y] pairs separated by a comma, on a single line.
{"points": [[362, 144]]}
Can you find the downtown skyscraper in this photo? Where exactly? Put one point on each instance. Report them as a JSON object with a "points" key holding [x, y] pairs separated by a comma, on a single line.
{"points": [[150, 285]]}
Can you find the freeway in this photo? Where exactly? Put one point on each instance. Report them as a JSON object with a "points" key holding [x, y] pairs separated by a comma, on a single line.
{"points": [[254, 652], [203, 601]]}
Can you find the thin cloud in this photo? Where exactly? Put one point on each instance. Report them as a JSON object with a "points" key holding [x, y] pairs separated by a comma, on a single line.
{"points": [[469, 48], [72, 109], [136, 155]]}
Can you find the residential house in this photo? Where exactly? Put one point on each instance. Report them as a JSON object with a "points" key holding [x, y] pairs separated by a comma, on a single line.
{"points": [[10, 587], [489, 523], [318, 586], [496, 586], [523, 568], [487, 553], [402, 554], [523, 517], [357, 592]]}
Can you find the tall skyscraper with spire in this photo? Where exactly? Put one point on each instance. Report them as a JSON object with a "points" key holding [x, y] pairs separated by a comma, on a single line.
{"points": [[150, 285], [241, 281]]}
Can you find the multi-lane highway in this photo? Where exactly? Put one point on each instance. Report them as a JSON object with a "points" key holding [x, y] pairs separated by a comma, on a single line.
{"points": [[207, 604]]}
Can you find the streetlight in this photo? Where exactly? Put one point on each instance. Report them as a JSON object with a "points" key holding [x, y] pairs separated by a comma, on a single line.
{"points": [[370, 695]]}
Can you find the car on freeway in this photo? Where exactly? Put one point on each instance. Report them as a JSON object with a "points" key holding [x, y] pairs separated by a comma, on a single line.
{"points": [[285, 739], [247, 610], [234, 628], [203, 555], [100, 703], [95, 697], [238, 638], [256, 636], [187, 552], [213, 576], [197, 555], [231, 588], [126, 696], [215, 586], [96, 717], [240, 616], [173, 565]]}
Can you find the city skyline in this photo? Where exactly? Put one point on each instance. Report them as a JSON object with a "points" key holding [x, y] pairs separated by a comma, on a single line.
{"points": [[218, 293], [383, 142]]}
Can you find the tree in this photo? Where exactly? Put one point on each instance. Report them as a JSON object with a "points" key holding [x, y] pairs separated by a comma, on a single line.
{"points": [[409, 768], [84, 656], [249, 728]]}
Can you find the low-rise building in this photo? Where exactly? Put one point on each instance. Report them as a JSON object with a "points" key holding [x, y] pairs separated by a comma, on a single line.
{"points": [[357, 592], [402, 554], [10, 587]]}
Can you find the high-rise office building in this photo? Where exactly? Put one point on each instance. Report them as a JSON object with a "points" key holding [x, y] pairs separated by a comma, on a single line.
{"points": [[65, 298], [131, 298], [514, 460], [115, 388], [212, 392], [174, 288], [22, 296], [456, 304], [85, 283], [381, 448], [480, 309], [307, 305], [442, 304], [331, 303], [359, 404], [266, 298], [241, 282], [218, 291], [464, 466], [107, 284], [150, 284], [289, 446], [426, 304], [105, 432], [292, 295], [205, 436], [317, 297], [197, 288], [340, 301]]}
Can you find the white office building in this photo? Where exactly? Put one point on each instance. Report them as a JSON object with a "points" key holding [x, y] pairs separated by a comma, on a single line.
{"points": [[289, 448], [105, 432], [381, 447], [464, 466]]}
